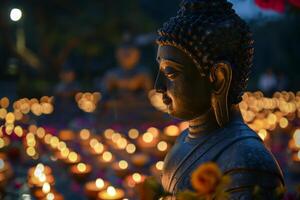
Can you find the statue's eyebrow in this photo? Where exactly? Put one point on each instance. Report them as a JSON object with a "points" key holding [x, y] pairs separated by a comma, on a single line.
{"points": [[166, 62]]}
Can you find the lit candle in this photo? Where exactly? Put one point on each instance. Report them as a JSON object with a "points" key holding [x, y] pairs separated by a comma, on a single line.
{"points": [[133, 183], [106, 159], [161, 149], [111, 193], [53, 196], [120, 168], [147, 141], [41, 193], [81, 170], [73, 158], [92, 188], [156, 169]]}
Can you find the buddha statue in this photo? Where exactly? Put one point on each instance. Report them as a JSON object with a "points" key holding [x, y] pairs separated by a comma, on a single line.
{"points": [[205, 55]]}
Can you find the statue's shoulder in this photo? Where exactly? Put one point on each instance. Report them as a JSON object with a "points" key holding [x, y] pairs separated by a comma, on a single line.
{"points": [[248, 152], [249, 162]]}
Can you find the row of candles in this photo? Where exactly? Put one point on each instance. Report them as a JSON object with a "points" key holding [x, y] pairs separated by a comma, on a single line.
{"points": [[97, 189], [134, 150], [116, 150]]}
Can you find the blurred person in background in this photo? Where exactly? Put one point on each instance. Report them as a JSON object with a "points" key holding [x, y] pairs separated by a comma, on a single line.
{"points": [[64, 93], [267, 82]]}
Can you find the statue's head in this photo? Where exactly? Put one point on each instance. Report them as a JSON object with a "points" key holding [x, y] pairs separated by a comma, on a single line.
{"points": [[205, 55]]}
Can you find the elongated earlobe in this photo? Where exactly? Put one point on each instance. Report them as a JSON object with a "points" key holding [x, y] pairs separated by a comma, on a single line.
{"points": [[220, 76]]}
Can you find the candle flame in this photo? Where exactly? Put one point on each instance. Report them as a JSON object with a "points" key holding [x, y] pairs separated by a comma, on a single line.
{"points": [[123, 164], [42, 178], [46, 188], [137, 177], [81, 167], [133, 133], [99, 183], [50, 196], [148, 137], [162, 146], [111, 191], [107, 156], [130, 148], [159, 165]]}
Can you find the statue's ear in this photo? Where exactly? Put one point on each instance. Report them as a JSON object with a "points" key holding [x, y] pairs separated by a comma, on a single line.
{"points": [[220, 77]]}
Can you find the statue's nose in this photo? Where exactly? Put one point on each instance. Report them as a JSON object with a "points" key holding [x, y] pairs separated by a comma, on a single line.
{"points": [[159, 85]]}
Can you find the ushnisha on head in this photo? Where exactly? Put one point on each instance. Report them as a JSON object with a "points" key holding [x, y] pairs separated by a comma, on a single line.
{"points": [[213, 50]]}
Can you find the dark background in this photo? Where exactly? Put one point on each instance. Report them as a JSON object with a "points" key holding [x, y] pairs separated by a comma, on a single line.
{"points": [[83, 35]]}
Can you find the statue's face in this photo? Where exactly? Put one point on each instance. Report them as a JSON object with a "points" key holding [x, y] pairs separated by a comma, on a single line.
{"points": [[185, 92]]}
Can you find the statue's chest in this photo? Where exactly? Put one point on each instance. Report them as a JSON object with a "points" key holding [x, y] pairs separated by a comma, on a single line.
{"points": [[185, 156], [173, 160]]}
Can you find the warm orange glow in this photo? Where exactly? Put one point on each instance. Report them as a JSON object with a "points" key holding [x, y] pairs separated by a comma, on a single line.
{"points": [[133, 133], [107, 156], [30, 151], [2, 143], [99, 148], [18, 131], [283, 122], [263, 134], [85, 134], [159, 165], [122, 143], [73, 156], [154, 131], [54, 141], [115, 137], [50, 196], [137, 177], [99, 183], [81, 167], [111, 191], [123, 164], [4, 102], [162, 146], [272, 118], [65, 152], [148, 137], [3, 113], [172, 130], [46, 188], [108, 133], [130, 148], [40, 132], [61, 145], [93, 142], [10, 118]]}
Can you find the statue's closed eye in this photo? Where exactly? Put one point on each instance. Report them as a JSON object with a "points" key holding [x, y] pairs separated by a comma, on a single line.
{"points": [[170, 72]]}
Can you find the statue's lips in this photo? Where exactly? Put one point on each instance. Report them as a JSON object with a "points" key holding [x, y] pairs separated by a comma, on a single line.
{"points": [[167, 100]]}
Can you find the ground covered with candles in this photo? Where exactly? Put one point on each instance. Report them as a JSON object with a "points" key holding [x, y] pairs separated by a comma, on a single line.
{"points": [[44, 159]]}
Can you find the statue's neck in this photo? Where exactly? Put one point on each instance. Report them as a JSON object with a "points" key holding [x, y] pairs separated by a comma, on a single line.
{"points": [[207, 122], [203, 124]]}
